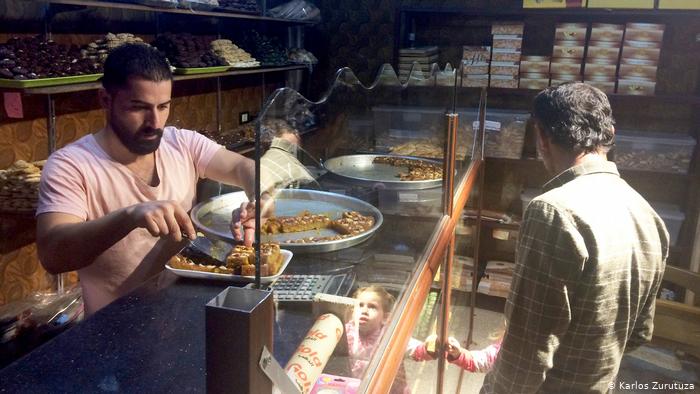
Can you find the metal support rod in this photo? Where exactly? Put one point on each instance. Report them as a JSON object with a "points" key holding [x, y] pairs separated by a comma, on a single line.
{"points": [[51, 141], [477, 235], [258, 207], [218, 106], [444, 313], [51, 123], [448, 173], [477, 154]]}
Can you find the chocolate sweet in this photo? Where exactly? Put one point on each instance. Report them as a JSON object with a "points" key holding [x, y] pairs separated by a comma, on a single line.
{"points": [[32, 58], [188, 51]]}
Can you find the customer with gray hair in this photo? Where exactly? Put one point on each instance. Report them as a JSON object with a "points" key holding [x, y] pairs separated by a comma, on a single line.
{"points": [[589, 262]]}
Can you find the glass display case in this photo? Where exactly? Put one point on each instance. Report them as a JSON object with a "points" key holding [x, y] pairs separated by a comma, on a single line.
{"points": [[355, 231], [367, 182]]}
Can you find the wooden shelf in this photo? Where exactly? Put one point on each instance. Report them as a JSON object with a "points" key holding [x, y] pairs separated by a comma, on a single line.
{"points": [[79, 87], [182, 11], [614, 97], [525, 12]]}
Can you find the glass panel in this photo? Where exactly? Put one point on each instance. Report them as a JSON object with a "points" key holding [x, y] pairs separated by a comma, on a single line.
{"points": [[471, 103], [418, 372], [356, 179]]}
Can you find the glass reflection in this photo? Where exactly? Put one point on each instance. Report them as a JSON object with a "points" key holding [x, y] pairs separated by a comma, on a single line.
{"points": [[356, 180]]}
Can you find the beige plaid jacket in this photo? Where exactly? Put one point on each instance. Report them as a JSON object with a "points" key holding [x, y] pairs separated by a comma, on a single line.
{"points": [[589, 263]]}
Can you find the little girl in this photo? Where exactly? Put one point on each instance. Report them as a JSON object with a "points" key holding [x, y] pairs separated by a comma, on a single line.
{"points": [[373, 306]]}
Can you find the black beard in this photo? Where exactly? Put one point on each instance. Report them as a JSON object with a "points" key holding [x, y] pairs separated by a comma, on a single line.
{"points": [[134, 143]]}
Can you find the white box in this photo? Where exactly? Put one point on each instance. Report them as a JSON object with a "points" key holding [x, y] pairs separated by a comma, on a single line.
{"points": [[661, 152]]}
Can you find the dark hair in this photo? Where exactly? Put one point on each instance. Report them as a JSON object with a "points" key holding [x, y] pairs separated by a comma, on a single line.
{"points": [[139, 60], [577, 116]]}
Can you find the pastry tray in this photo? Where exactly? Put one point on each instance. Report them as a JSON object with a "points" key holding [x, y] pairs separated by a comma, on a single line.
{"points": [[361, 170], [43, 82], [286, 255], [201, 70], [213, 217]]}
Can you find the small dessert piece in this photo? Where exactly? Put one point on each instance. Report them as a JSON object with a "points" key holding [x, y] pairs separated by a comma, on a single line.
{"points": [[249, 270], [352, 223], [418, 170], [304, 221], [181, 262], [236, 259], [241, 259]]}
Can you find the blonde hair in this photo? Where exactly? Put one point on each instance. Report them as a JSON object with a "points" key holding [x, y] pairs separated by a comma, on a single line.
{"points": [[386, 298]]}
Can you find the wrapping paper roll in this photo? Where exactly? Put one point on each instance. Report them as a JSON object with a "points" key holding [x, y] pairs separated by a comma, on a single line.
{"points": [[307, 363]]}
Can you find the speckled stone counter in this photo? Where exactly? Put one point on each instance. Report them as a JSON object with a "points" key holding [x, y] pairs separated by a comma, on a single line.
{"points": [[153, 340]]}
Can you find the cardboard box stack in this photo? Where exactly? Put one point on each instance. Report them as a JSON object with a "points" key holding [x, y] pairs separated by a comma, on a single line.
{"points": [[679, 4], [476, 61], [567, 54], [603, 55], [505, 57], [424, 56], [534, 72], [554, 3], [640, 58], [497, 278], [640, 4]]}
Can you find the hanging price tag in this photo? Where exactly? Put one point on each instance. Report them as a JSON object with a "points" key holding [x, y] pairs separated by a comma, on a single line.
{"points": [[13, 104]]}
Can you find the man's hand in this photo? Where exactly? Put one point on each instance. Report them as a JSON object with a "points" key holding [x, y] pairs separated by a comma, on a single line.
{"points": [[162, 219], [245, 217]]}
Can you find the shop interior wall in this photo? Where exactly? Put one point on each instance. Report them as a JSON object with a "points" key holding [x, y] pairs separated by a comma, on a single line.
{"points": [[77, 114], [362, 36], [679, 69]]}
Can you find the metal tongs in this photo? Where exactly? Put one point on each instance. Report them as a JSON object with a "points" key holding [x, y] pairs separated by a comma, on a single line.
{"points": [[202, 250]]}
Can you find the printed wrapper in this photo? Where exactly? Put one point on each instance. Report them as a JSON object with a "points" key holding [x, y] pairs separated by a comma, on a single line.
{"points": [[307, 363]]}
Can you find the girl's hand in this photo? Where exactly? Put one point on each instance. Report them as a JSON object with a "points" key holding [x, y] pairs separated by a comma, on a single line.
{"points": [[431, 346], [454, 349]]}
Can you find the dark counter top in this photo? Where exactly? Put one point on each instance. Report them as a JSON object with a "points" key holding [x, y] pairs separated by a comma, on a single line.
{"points": [[153, 340]]}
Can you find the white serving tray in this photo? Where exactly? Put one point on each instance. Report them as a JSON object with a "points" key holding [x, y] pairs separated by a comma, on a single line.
{"points": [[286, 258]]}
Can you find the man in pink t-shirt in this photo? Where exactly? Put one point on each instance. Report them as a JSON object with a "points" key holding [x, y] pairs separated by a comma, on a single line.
{"points": [[113, 205]]}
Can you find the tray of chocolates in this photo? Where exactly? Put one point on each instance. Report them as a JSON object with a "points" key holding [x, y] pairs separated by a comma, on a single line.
{"points": [[200, 70], [42, 82], [304, 221]]}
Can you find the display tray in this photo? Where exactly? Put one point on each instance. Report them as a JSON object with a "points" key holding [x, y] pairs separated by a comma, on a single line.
{"points": [[200, 70], [43, 82], [213, 217], [286, 256], [237, 10], [361, 169]]}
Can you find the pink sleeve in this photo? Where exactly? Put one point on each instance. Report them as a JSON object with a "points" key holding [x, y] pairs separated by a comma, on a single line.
{"points": [[200, 147], [480, 360], [417, 351], [62, 188]]}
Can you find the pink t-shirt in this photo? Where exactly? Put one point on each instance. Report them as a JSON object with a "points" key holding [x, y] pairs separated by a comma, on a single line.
{"points": [[81, 179], [360, 351]]}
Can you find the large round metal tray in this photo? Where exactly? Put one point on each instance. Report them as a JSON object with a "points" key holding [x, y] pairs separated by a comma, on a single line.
{"points": [[213, 217], [361, 170]]}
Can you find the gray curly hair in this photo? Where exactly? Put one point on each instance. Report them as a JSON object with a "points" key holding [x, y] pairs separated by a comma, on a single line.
{"points": [[577, 116]]}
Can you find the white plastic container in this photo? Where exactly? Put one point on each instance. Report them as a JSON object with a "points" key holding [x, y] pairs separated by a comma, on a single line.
{"points": [[653, 151], [422, 203], [672, 216], [505, 132]]}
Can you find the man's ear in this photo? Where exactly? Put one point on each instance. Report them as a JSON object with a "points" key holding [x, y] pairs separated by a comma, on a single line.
{"points": [[543, 141], [104, 98]]}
